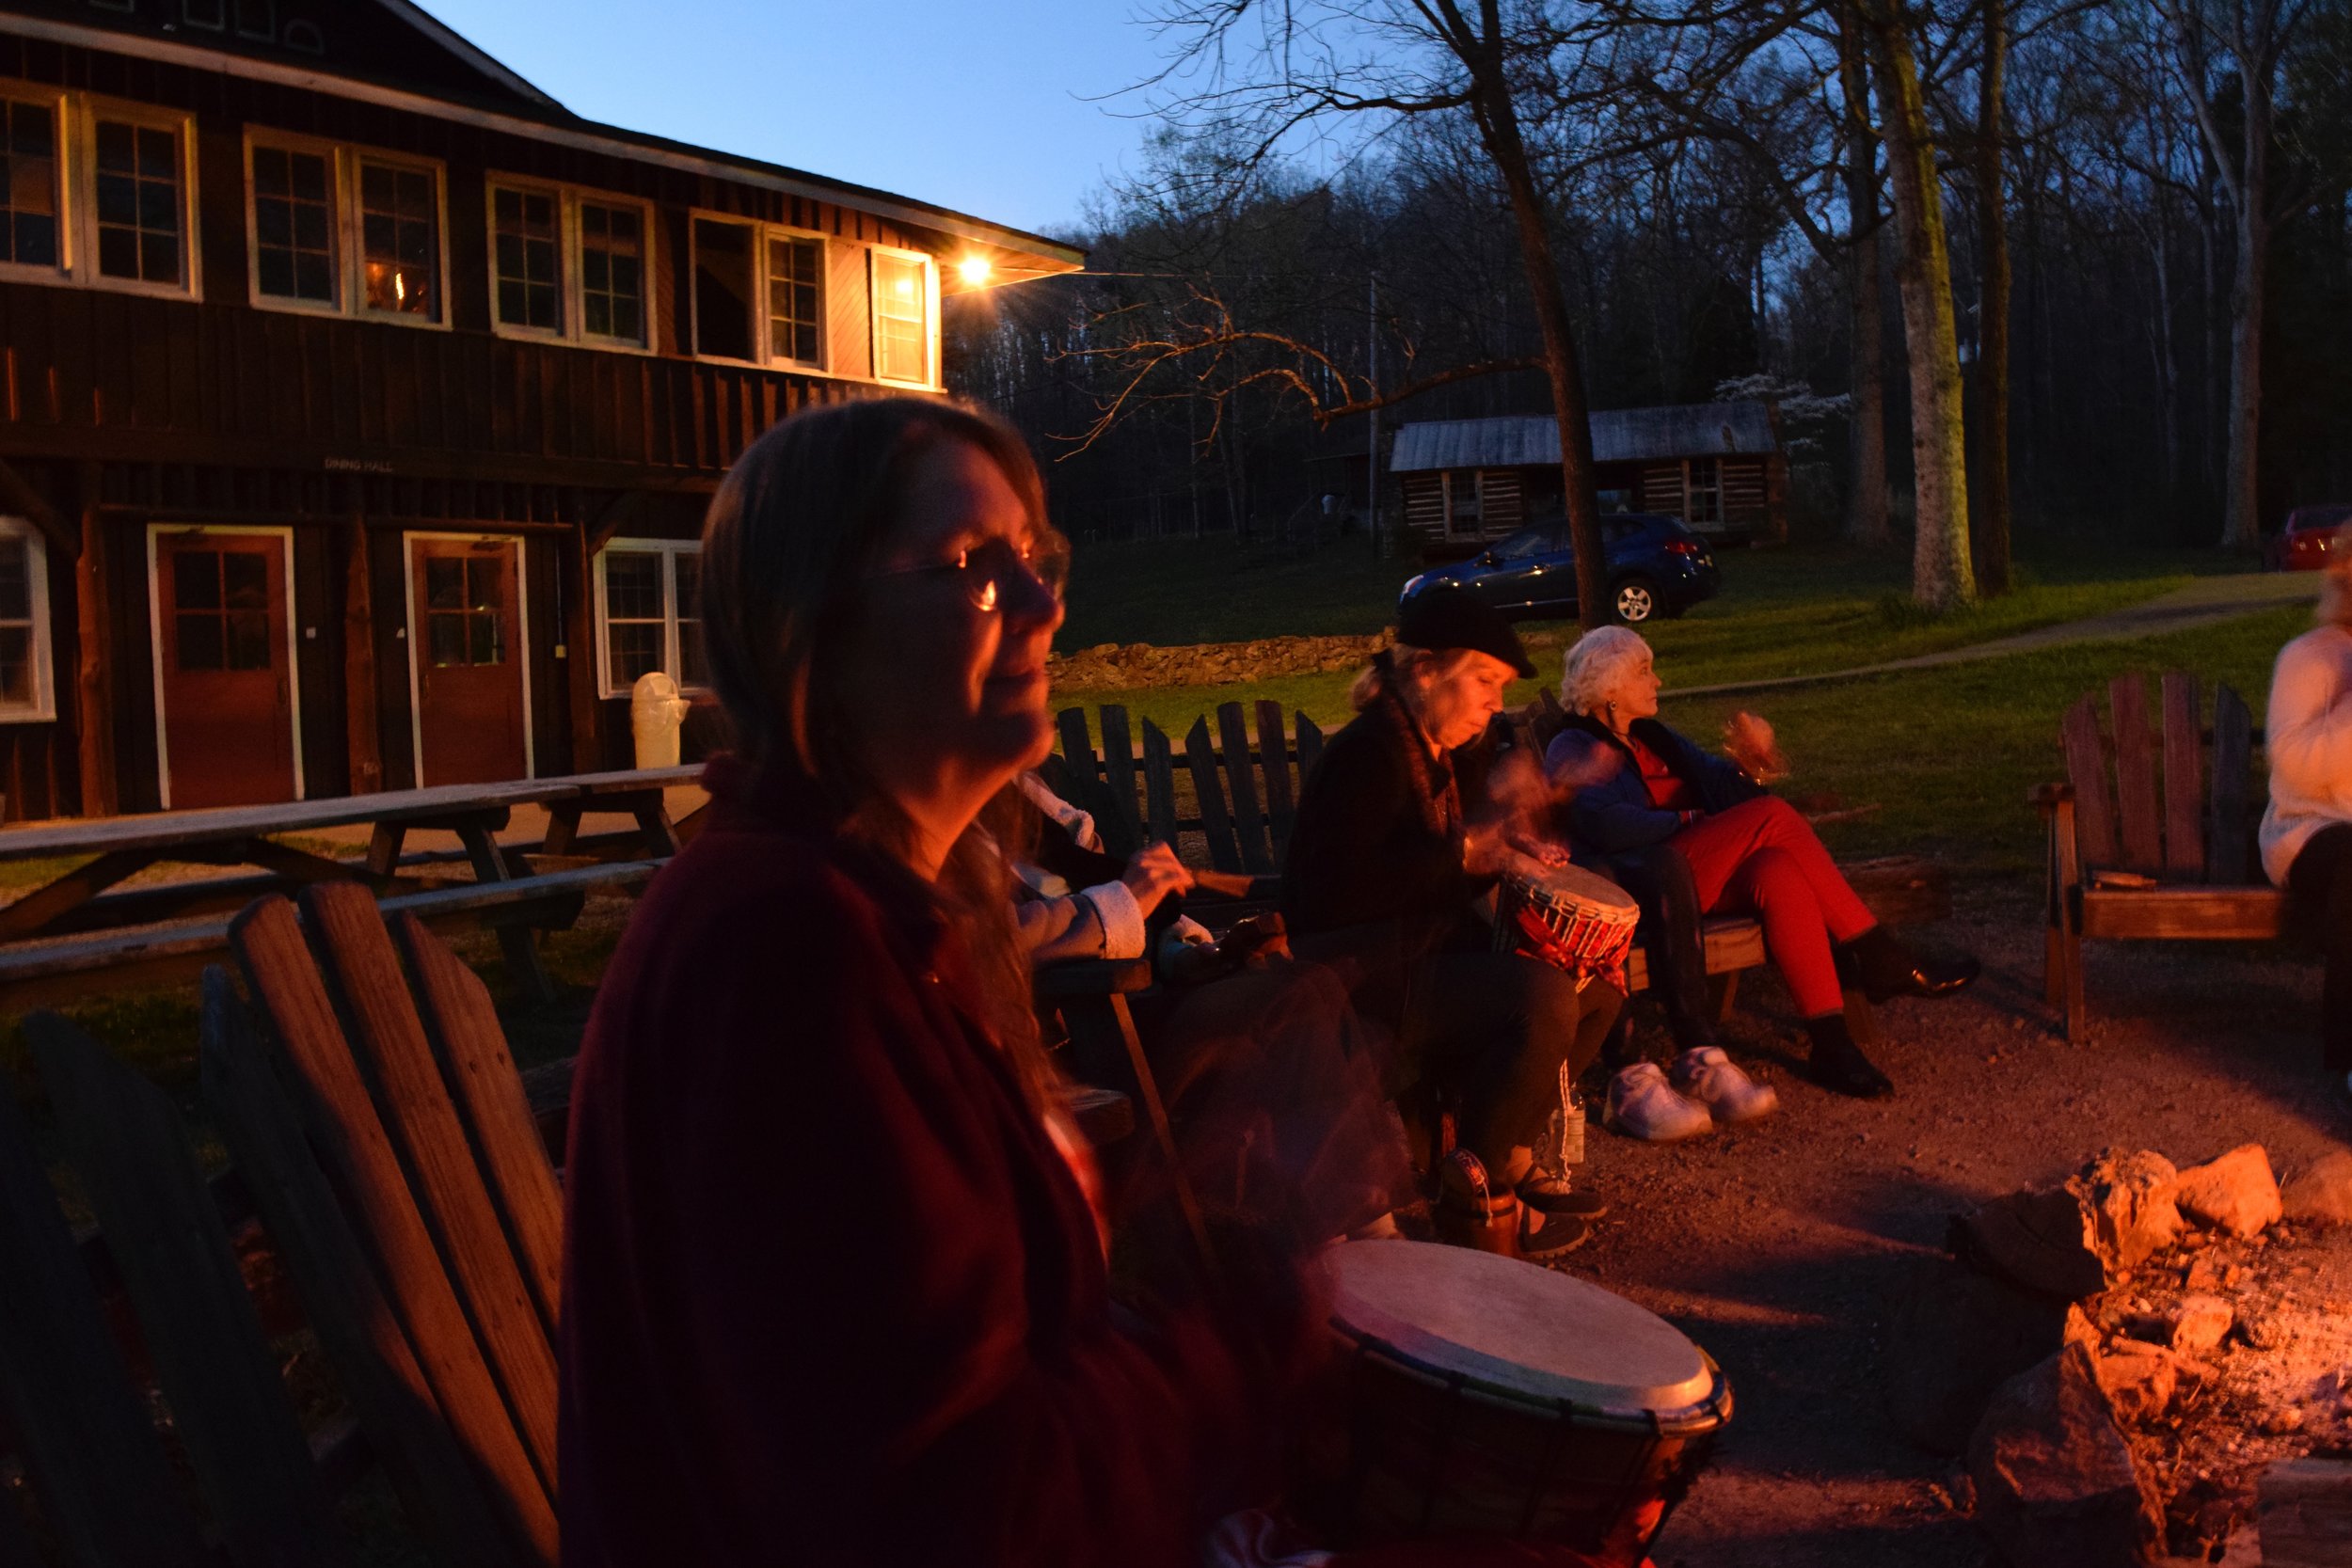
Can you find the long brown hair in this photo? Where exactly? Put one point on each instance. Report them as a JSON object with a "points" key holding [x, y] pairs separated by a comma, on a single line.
{"points": [[799, 520]]}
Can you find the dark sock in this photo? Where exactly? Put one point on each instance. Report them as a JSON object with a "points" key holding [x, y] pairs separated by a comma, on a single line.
{"points": [[1837, 1064], [1880, 961]]}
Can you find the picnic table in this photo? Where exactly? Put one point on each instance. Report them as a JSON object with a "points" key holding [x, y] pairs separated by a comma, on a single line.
{"points": [[78, 899]]}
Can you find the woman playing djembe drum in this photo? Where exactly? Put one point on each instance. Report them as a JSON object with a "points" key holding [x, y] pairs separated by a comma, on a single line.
{"points": [[1384, 868], [1640, 784], [832, 1292]]}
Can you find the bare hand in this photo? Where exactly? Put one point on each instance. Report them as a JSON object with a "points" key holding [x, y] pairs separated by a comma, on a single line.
{"points": [[1152, 874], [1748, 742]]}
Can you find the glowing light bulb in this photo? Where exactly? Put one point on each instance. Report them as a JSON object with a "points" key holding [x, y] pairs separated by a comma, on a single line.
{"points": [[973, 270]]}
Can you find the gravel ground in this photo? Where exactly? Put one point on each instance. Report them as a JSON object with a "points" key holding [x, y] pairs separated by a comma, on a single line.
{"points": [[1781, 1247]]}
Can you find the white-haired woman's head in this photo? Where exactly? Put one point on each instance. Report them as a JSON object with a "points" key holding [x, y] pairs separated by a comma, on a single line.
{"points": [[1607, 676]]}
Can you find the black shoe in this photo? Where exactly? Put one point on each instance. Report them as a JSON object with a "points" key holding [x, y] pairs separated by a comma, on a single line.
{"points": [[1558, 1235], [1887, 969], [1555, 1195], [1838, 1064]]}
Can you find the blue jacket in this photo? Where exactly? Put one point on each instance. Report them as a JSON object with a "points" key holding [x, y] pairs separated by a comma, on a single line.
{"points": [[1615, 816]]}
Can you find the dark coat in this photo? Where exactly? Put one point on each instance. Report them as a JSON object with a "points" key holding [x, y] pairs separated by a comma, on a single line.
{"points": [[1375, 868], [831, 1295], [1615, 816]]}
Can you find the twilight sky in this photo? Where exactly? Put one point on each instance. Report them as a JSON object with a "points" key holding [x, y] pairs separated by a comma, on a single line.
{"points": [[973, 104]]}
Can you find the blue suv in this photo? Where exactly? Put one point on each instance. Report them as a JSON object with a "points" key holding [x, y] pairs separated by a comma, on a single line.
{"points": [[1656, 568]]}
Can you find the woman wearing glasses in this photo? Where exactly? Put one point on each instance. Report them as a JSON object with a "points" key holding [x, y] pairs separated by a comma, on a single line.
{"points": [[832, 1292]]}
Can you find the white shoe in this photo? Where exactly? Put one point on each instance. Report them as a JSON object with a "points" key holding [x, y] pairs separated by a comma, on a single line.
{"points": [[1642, 1104], [1710, 1078]]}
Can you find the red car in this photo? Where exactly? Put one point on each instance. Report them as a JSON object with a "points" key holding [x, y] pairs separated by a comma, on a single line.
{"points": [[2308, 543]]}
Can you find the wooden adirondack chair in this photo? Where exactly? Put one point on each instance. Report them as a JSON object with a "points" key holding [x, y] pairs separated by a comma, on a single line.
{"points": [[394, 1156], [2122, 864]]}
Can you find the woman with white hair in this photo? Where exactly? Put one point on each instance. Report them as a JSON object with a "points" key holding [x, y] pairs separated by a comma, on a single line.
{"points": [[1640, 784], [2306, 829]]}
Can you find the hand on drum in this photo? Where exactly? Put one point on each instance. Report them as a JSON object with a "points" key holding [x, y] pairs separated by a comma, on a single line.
{"points": [[1153, 874], [1748, 742]]}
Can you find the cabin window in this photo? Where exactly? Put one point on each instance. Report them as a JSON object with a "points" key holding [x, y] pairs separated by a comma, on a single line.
{"points": [[142, 214], [294, 225], [26, 693], [400, 240], [613, 273], [1703, 492], [527, 241], [724, 324], [649, 612], [902, 335], [796, 299], [29, 222]]}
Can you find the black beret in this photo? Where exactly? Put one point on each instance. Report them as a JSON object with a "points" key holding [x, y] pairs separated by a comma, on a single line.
{"points": [[1446, 618]]}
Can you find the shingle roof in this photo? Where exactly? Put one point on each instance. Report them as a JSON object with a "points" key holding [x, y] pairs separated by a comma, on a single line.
{"points": [[1619, 435]]}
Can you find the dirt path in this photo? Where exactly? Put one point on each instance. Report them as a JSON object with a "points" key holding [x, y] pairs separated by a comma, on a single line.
{"points": [[1779, 1248], [2205, 602]]}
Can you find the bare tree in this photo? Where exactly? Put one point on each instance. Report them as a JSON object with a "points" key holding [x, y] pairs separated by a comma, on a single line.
{"points": [[2248, 40], [1993, 494]]}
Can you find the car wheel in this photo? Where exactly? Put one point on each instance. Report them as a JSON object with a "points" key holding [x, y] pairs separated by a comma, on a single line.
{"points": [[1637, 601]]}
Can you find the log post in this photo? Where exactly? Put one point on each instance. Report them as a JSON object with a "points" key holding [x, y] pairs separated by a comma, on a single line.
{"points": [[94, 674], [362, 726]]}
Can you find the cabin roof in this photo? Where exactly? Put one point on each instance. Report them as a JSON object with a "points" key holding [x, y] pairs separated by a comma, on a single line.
{"points": [[437, 72], [1619, 435]]}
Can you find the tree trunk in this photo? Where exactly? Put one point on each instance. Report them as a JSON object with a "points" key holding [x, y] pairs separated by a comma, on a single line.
{"points": [[1942, 575], [1865, 490], [1499, 125], [1992, 519], [2241, 519]]}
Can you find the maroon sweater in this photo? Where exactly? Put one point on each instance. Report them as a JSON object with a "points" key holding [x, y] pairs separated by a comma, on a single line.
{"points": [[830, 1295]]}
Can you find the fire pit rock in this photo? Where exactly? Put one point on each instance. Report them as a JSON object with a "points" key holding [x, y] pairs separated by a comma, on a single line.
{"points": [[2128, 1199], [2236, 1193], [2056, 1486], [2321, 1191], [2201, 1323]]}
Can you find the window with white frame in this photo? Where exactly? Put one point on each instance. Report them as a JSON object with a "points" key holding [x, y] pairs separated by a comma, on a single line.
{"points": [[568, 264], [31, 185], [1702, 492], [649, 612], [27, 683], [902, 316], [96, 192], [759, 293], [140, 196], [341, 229]]}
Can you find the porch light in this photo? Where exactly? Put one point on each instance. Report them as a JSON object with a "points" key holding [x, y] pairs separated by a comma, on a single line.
{"points": [[973, 270]]}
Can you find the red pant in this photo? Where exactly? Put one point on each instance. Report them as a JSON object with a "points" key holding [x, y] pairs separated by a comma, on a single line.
{"points": [[1760, 858]]}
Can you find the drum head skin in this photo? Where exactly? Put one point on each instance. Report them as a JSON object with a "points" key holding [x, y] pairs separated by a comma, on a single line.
{"points": [[1518, 1328], [1573, 884]]}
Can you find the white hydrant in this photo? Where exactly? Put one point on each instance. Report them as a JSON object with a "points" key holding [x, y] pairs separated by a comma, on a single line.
{"points": [[655, 713]]}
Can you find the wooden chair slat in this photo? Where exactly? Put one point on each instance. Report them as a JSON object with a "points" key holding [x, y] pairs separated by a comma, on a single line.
{"points": [[1215, 826], [2229, 848], [1309, 748], [402, 1416], [471, 1046], [336, 1107], [415, 1108], [1249, 824], [1274, 754], [2139, 826], [1082, 778], [2087, 770], [1159, 781], [86, 1437], [1122, 833], [2183, 777], [228, 1403]]}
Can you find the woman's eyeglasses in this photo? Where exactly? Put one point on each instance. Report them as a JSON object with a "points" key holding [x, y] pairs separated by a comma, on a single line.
{"points": [[986, 570]]}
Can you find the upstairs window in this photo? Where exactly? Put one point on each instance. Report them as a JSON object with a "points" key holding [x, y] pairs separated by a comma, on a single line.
{"points": [[29, 184], [725, 326], [400, 240], [759, 293], [568, 264], [649, 612], [27, 692], [796, 300], [902, 317], [294, 225], [142, 213]]}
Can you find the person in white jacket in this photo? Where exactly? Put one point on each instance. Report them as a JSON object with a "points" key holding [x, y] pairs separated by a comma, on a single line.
{"points": [[2306, 829]]}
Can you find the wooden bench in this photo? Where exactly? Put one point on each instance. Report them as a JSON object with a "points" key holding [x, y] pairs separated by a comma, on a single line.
{"points": [[39, 974], [2127, 862]]}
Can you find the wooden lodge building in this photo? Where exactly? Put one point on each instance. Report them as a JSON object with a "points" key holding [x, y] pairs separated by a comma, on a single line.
{"points": [[1719, 467], [362, 402]]}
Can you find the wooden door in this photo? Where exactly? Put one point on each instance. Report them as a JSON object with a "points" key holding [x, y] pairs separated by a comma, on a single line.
{"points": [[227, 685], [465, 639]]}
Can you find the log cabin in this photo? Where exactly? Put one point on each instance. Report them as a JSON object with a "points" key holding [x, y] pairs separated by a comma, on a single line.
{"points": [[1719, 467], [362, 402]]}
